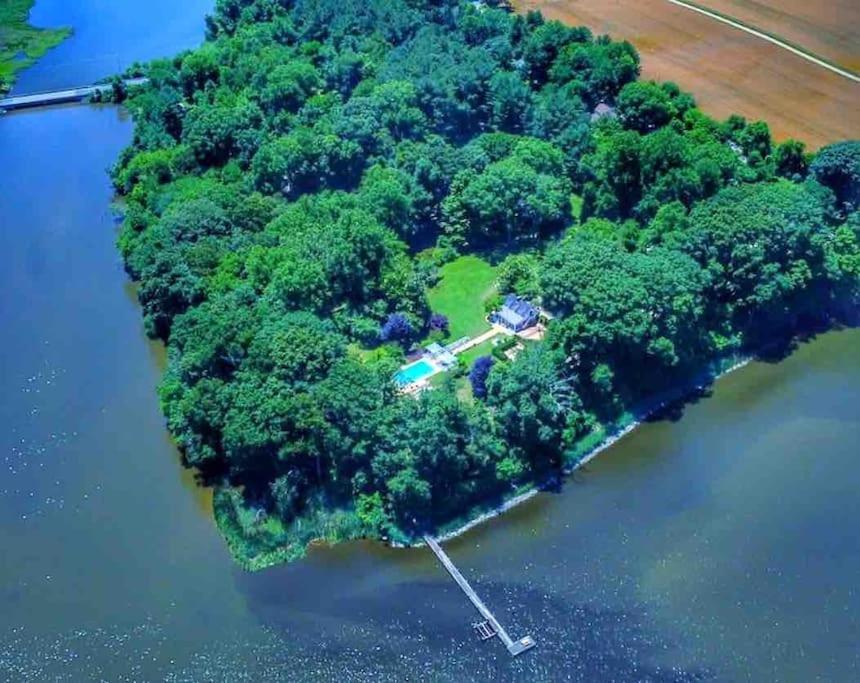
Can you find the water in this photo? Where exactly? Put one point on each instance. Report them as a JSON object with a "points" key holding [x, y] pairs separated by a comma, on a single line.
{"points": [[109, 36], [719, 546], [413, 373]]}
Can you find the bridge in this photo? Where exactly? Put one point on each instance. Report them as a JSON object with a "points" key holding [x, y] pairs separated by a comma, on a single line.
{"points": [[65, 96], [491, 626]]}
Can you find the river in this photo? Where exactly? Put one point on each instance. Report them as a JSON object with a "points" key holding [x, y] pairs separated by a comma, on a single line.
{"points": [[718, 544], [109, 35]]}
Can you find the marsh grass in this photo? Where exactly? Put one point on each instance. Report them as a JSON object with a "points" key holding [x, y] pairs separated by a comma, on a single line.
{"points": [[20, 43], [259, 541]]}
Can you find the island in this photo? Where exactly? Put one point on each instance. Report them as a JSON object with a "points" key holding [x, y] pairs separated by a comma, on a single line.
{"points": [[413, 258]]}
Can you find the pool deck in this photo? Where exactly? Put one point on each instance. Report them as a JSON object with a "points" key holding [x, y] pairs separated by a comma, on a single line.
{"points": [[420, 384], [417, 385]]}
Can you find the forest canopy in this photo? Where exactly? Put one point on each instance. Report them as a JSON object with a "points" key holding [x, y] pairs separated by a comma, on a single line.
{"points": [[295, 185]]}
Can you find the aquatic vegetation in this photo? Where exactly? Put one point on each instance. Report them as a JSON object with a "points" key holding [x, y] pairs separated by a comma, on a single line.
{"points": [[20, 43]]}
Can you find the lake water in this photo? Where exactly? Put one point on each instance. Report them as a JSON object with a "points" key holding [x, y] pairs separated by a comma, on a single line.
{"points": [[719, 546]]}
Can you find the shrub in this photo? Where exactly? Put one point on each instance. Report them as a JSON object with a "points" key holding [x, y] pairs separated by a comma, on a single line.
{"points": [[439, 322], [396, 328], [478, 375]]}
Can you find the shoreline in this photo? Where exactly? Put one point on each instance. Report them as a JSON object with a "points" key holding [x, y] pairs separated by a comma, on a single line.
{"points": [[566, 471], [715, 370]]}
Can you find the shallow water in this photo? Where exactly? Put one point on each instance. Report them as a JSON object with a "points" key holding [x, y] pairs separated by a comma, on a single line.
{"points": [[720, 546]]}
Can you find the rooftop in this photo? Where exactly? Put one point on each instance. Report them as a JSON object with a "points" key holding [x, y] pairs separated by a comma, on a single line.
{"points": [[602, 110], [516, 311]]}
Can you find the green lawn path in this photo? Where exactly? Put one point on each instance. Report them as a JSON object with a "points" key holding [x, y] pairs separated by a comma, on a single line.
{"points": [[466, 284], [485, 349]]}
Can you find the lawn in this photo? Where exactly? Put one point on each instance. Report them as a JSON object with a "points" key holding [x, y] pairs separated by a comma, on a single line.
{"points": [[485, 349], [466, 284], [576, 207]]}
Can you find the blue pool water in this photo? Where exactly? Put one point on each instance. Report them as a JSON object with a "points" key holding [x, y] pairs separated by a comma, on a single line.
{"points": [[414, 372]]}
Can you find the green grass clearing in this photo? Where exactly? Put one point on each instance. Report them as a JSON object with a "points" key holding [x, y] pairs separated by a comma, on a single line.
{"points": [[439, 379], [466, 284], [463, 389], [485, 349], [576, 208]]}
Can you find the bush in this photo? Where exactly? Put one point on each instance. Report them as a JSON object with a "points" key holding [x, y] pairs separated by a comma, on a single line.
{"points": [[478, 375], [439, 322], [396, 328], [371, 512]]}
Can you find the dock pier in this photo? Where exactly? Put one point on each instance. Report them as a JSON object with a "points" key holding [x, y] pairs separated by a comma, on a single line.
{"points": [[515, 647]]}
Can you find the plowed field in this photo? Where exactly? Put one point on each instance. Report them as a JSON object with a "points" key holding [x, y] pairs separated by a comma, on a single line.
{"points": [[828, 28], [729, 71]]}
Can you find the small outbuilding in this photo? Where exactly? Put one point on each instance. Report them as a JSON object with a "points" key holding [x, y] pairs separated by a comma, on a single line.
{"points": [[516, 314], [601, 111], [441, 355]]}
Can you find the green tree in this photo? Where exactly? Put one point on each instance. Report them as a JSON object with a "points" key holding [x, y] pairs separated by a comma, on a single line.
{"points": [[387, 194], [519, 274], [199, 68], [645, 106], [536, 405], [642, 312], [523, 196], [761, 244], [289, 86], [791, 160], [510, 98], [838, 167], [602, 68], [544, 44]]}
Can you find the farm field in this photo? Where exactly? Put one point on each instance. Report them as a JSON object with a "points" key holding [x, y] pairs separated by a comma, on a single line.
{"points": [[828, 28], [727, 70]]}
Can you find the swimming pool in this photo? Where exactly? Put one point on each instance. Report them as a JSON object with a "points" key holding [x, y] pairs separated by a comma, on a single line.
{"points": [[413, 373]]}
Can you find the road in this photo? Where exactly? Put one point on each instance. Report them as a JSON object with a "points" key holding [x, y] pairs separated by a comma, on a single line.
{"points": [[808, 56]]}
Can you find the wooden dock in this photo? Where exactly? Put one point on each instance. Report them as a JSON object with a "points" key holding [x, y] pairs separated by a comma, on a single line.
{"points": [[65, 96], [485, 630]]}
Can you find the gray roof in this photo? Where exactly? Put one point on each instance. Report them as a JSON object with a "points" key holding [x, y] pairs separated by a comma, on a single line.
{"points": [[602, 110], [516, 311]]}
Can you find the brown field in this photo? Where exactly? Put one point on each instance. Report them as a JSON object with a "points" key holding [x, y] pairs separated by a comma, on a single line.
{"points": [[828, 28], [727, 70]]}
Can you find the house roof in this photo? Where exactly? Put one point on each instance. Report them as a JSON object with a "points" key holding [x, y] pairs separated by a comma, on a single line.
{"points": [[602, 110], [515, 311]]}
